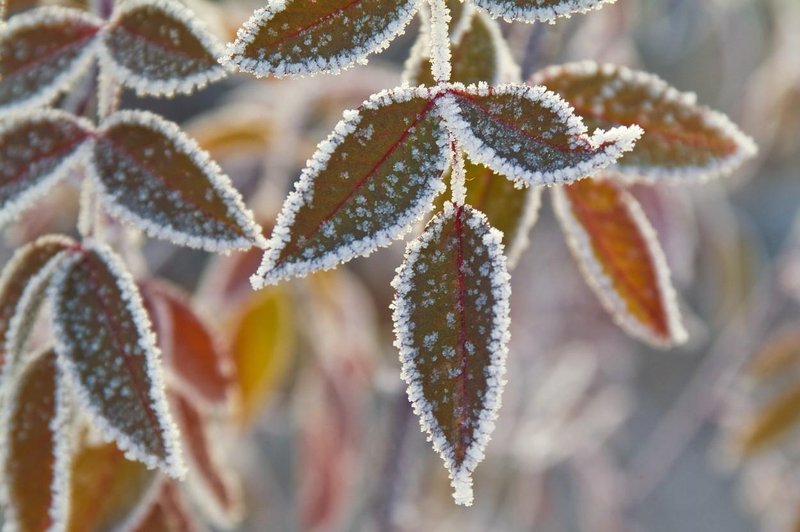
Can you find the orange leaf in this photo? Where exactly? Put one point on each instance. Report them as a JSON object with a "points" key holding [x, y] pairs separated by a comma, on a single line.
{"points": [[618, 253], [771, 423]]}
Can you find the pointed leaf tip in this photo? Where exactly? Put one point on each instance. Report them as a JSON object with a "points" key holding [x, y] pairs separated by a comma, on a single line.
{"points": [[375, 175], [42, 53], [682, 140], [159, 47], [451, 314], [617, 250], [529, 134], [155, 177], [106, 348], [298, 38]]}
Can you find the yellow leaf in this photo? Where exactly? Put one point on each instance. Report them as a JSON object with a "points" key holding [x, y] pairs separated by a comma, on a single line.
{"points": [[772, 423]]}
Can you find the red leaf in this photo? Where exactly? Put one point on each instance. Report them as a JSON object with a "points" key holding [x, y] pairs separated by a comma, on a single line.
{"points": [[36, 447], [42, 52], [37, 149], [105, 342], [202, 367], [617, 250], [451, 323], [168, 512]]}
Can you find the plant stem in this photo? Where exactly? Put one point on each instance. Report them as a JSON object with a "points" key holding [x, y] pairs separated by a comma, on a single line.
{"points": [[440, 41]]}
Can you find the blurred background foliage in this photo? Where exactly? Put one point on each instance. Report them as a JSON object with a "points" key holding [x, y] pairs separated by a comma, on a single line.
{"points": [[597, 432]]}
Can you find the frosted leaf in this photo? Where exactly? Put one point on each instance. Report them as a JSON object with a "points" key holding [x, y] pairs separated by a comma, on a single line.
{"points": [[168, 512], [37, 149], [152, 175], [159, 47], [26, 263], [297, 37], [617, 250], [42, 53], [451, 315], [35, 447], [439, 45], [109, 492], [201, 367], [538, 10], [529, 134], [107, 348], [509, 209], [375, 175], [217, 492], [682, 139]]}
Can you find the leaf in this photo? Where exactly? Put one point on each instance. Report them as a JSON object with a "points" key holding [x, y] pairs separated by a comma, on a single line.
{"points": [[529, 134], [159, 47], [617, 250], [106, 346], [108, 491], [202, 368], [682, 140], [778, 355], [538, 10], [772, 423], [511, 210], [37, 149], [24, 266], [42, 53], [451, 318], [217, 492], [155, 177], [367, 183], [168, 513], [36, 447], [262, 344], [299, 38]]}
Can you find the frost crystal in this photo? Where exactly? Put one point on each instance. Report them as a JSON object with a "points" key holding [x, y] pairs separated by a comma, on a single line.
{"points": [[451, 316], [538, 10]]}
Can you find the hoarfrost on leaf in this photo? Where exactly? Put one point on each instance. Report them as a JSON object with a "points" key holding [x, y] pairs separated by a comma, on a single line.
{"points": [[375, 175], [298, 38], [107, 349], [153, 176], [158, 47], [538, 10], [451, 314]]}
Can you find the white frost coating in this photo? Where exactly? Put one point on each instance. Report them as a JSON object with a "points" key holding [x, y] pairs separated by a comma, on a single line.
{"points": [[62, 446], [219, 182], [619, 139], [508, 71], [533, 201], [581, 246], [461, 477], [439, 41], [234, 55], [538, 10], [146, 86], [267, 272], [460, 26], [9, 122], [133, 521], [660, 91], [458, 176], [173, 463], [41, 17]]}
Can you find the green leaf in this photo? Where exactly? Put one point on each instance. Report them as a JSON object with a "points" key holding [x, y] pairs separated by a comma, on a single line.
{"points": [[451, 314], [374, 176], [298, 38], [105, 342], [682, 140]]}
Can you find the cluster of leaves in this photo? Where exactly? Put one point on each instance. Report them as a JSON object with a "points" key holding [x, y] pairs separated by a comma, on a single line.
{"points": [[384, 166]]}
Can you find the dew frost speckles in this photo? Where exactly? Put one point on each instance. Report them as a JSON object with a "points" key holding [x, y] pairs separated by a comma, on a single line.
{"points": [[37, 148], [289, 38], [451, 317], [152, 175], [439, 40], [159, 47], [529, 134], [375, 175], [107, 349], [42, 53], [682, 140], [538, 10], [650, 315], [35, 446]]}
